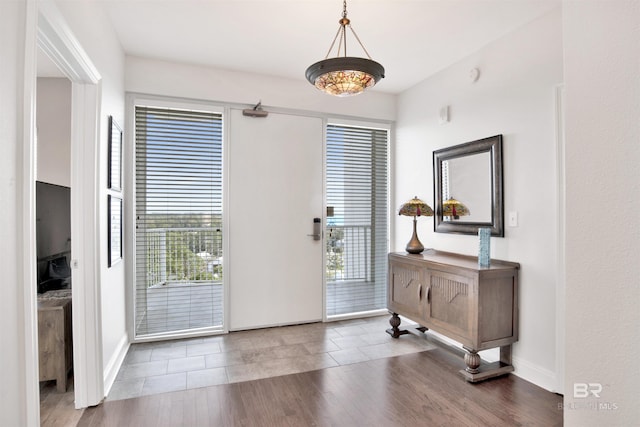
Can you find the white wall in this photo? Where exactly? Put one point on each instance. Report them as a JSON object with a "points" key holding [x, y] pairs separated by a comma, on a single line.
{"points": [[94, 32], [188, 81], [514, 96], [53, 122], [602, 77]]}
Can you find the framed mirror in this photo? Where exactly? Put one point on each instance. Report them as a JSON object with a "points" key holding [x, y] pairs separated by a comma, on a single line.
{"points": [[471, 174]]}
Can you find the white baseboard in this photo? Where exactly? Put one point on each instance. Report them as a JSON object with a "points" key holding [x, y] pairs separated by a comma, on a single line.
{"points": [[535, 374], [113, 367]]}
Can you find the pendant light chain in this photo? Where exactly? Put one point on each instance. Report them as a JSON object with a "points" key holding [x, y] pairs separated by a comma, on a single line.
{"points": [[342, 33], [343, 24]]}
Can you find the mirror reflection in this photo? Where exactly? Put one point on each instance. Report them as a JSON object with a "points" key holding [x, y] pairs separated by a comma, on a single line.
{"points": [[468, 180]]}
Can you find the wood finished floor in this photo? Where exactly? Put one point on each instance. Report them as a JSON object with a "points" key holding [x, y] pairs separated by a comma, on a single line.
{"points": [[56, 408], [420, 389]]}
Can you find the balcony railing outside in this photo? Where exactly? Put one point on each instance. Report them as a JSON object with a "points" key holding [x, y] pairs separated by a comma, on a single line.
{"points": [[190, 255], [348, 253], [183, 284], [182, 287], [183, 255]]}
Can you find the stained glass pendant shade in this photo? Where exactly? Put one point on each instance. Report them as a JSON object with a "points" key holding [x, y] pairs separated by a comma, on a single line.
{"points": [[344, 75]]}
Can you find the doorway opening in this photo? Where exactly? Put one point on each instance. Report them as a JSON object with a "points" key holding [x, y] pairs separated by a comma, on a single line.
{"points": [[53, 236], [50, 34]]}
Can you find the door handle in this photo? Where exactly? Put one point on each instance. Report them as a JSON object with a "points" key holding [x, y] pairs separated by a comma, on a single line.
{"points": [[317, 233]]}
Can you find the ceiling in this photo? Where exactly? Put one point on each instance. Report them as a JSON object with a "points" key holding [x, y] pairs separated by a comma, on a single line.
{"points": [[412, 39]]}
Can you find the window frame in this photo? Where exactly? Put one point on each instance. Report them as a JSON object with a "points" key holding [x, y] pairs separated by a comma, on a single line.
{"points": [[129, 172], [373, 125]]}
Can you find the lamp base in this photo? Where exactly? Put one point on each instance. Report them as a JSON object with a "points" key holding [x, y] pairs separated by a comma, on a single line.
{"points": [[414, 246], [414, 250]]}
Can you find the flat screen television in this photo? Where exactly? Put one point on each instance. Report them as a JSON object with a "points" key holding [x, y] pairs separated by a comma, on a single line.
{"points": [[53, 235]]}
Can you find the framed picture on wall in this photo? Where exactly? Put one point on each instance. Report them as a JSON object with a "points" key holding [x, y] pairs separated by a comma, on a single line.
{"points": [[114, 175], [114, 207]]}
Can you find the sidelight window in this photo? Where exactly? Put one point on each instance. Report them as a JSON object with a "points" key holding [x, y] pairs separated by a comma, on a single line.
{"points": [[357, 218], [178, 186]]}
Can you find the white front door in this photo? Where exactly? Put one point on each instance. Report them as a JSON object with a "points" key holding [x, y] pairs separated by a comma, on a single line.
{"points": [[275, 192]]}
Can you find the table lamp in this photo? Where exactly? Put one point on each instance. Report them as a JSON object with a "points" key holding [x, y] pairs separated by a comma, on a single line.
{"points": [[415, 208]]}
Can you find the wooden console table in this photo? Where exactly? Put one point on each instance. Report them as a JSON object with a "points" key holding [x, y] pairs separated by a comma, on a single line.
{"points": [[55, 344], [450, 294]]}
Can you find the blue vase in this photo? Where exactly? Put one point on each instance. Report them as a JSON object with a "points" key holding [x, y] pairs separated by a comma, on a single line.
{"points": [[484, 257]]}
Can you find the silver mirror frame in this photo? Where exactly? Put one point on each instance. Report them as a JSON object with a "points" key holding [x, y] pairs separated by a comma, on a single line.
{"points": [[492, 145]]}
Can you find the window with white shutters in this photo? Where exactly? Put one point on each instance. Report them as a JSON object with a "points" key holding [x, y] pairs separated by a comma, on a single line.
{"points": [[178, 185], [357, 218]]}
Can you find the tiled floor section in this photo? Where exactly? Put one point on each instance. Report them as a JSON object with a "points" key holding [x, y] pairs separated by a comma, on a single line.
{"points": [[166, 366]]}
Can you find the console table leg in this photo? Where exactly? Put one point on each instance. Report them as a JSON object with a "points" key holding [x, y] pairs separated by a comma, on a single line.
{"points": [[394, 331], [472, 359], [475, 371], [505, 355]]}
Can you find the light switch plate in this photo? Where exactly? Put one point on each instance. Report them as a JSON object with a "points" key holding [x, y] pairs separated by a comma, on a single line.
{"points": [[513, 219]]}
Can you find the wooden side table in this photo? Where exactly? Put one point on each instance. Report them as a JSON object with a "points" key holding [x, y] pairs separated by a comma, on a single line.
{"points": [[55, 340], [450, 294]]}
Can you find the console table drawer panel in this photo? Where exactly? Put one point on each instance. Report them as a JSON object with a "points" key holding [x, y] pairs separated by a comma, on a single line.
{"points": [[450, 302], [406, 289]]}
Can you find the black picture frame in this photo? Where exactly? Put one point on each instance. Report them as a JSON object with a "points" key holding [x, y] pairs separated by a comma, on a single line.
{"points": [[114, 227], [114, 175]]}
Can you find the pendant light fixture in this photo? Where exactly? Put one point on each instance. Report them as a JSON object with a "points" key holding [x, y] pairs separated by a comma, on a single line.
{"points": [[344, 75]]}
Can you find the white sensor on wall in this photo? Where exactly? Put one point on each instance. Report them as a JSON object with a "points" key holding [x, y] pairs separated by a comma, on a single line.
{"points": [[474, 75], [443, 115]]}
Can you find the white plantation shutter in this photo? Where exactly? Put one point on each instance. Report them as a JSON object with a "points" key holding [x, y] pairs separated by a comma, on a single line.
{"points": [[178, 220], [357, 233]]}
